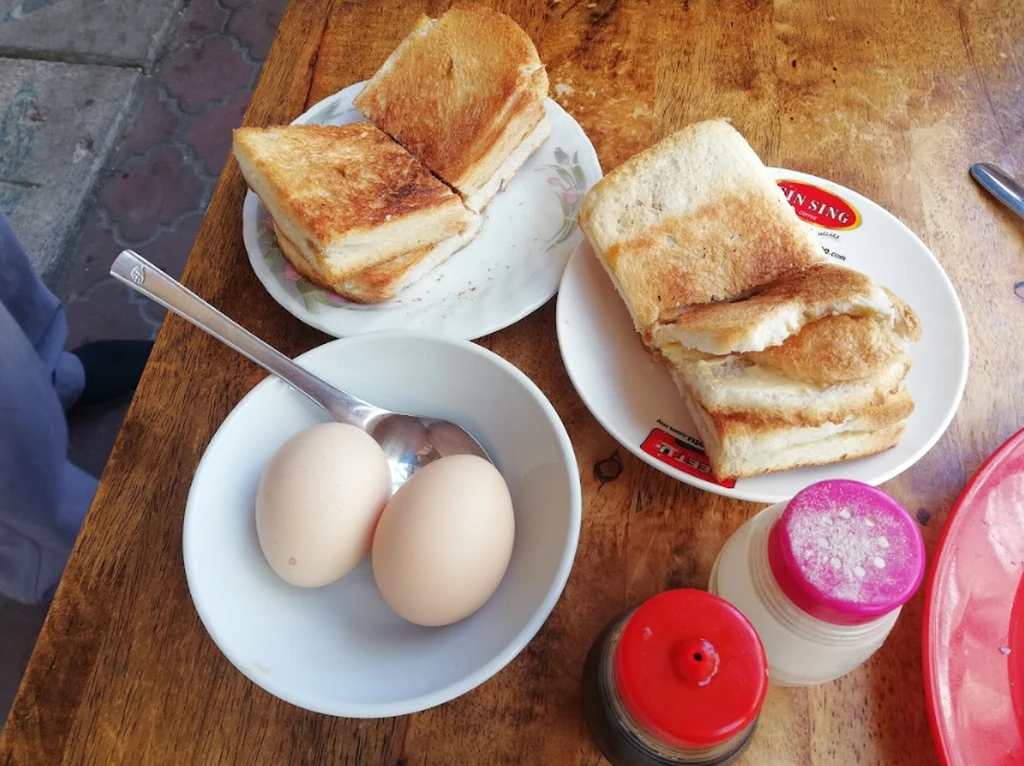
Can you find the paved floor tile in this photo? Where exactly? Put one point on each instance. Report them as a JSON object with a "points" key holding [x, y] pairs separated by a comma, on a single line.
{"points": [[210, 134], [97, 306], [256, 24], [155, 121], [92, 437], [201, 75], [97, 247], [151, 191], [117, 31], [57, 123], [201, 18], [117, 317]]}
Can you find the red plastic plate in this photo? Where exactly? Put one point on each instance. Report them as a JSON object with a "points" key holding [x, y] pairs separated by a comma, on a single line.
{"points": [[974, 619]]}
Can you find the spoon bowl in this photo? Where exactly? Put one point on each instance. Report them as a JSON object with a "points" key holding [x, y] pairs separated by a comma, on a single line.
{"points": [[409, 442]]}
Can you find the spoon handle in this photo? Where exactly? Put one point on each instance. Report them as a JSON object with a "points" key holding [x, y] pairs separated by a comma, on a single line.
{"points": [[139, 274], [1001, 186]]}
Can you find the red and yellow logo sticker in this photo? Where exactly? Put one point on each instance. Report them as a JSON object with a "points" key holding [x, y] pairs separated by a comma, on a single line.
{"points": [[683, 457], [819, 207]]}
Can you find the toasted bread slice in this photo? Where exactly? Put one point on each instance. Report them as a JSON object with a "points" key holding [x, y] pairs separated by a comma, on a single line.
{"points": [[907, 324], [694, 219], [835, 349], [477, 200], [780, 309], [383, 281], [348, 199], [745, 444], [832, 391], [465, 94], [735, 385]]}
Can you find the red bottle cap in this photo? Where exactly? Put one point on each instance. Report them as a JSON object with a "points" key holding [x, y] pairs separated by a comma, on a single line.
{"points": [[690, 669]]}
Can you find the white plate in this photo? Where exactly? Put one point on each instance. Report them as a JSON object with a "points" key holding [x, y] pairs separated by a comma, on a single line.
{"points": [[340, 650], [637, 403], [510, 269]]}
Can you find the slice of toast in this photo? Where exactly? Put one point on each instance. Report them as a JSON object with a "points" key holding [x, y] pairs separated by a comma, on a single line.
{"points": [[383, 281], [694, 219], [347, 200], [778, 310], [729, 385], [742, 445], [465, 94], [836, 349], [783, 359], [833, 390]]}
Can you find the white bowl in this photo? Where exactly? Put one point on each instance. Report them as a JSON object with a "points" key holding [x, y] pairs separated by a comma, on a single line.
{"points": [[340, 649]]}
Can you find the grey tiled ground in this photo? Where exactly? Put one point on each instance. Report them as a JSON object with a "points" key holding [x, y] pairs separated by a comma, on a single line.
{"points": [[103, 31], [167, 80], [58, 124]]}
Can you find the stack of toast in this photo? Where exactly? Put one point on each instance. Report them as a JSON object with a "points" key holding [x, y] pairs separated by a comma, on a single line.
{"points": [[783, 358], [366, 209]]}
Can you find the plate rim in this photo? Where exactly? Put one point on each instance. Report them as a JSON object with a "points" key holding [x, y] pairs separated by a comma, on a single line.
{"points": [[939, 564], [737, 493], [512, 648], [480, 330]]}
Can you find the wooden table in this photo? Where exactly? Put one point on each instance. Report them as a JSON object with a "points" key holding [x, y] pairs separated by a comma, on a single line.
{"points": [[895, 100]]}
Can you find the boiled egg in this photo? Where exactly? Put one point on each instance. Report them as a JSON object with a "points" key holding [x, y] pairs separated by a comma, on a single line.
{"points": [[318, 502], [444, 541]]}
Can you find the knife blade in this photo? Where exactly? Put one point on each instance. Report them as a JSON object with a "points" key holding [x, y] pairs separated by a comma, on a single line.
{"points": [[1000, 185]]}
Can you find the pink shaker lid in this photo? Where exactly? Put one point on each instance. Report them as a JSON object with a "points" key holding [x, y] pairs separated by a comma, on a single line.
{"points": [[845, 552]]}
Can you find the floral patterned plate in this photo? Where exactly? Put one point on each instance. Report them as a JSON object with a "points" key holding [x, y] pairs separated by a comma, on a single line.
{"points": [[511, 268]]}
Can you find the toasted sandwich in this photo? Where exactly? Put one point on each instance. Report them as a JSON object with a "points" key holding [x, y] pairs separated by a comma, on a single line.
{"points": [[740, 446], [783, 359], [695, 219], [465, 94], [802, 373], [777, 310], [353, 211]]}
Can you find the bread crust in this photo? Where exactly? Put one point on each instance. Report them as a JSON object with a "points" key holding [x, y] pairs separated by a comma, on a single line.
{"points": [[744, 445], [354, 212], [777, 310], [335, 184], [379, 283], [694, 219], [731, 386], [784, 360], [834, 349], [460, 93]]}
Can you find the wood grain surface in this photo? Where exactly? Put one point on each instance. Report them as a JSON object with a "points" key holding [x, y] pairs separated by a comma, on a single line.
{"points": [[895, 100]]}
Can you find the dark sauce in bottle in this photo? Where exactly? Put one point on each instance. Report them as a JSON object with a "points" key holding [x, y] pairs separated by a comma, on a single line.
{"points": [[679, 679]]}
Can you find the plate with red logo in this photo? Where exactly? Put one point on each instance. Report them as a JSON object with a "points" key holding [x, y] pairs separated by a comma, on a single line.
{"points": [[974, 619], [634, 397]]}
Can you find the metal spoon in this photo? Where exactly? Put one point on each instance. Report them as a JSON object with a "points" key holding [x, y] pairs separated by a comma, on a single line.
{"points": [[409, 442], [1000, 185]]}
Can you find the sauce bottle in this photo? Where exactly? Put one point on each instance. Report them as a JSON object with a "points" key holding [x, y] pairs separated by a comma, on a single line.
{"points": [[822, 577], [679, 679]]}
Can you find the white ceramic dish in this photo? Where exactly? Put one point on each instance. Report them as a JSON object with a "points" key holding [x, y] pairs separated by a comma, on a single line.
{"points": [[340, 650], [510, 269], [637, 403]]}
